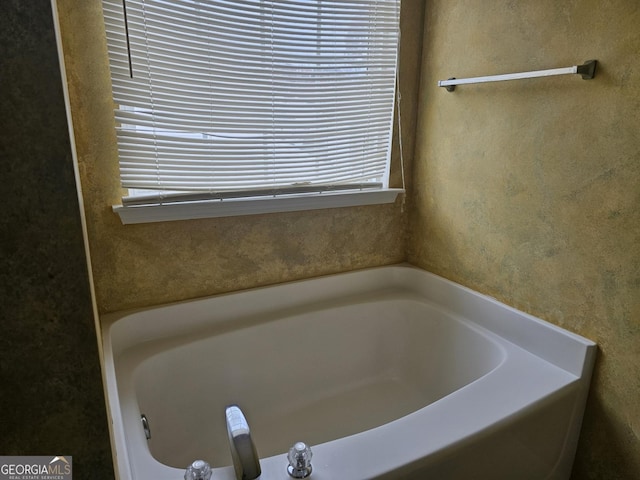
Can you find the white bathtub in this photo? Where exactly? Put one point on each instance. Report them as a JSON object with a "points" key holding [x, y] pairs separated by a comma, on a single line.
{"points": [[390, 373]]}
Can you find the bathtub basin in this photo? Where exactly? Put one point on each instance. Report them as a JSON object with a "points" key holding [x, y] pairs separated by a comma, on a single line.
{"points": [[389, 372]]}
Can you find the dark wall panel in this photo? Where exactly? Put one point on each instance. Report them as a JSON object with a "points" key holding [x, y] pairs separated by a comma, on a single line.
{"points": [[51, 397]]}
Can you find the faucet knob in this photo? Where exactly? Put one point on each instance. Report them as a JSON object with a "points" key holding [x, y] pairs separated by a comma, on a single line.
{"points": [[299, 460], [198, 470]]}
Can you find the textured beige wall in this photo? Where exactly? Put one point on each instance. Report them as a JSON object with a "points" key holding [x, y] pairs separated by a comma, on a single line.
{"points": [[529, 191], [138, 265]]}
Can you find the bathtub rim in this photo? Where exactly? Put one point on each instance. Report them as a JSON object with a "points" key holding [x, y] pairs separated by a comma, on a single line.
{"points": [[559, 346]]}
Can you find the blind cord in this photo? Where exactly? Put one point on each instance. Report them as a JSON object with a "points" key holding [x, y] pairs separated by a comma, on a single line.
{"points": [[399, 115], [126, 31]]}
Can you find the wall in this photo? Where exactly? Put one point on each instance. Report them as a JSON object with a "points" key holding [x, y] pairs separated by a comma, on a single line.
{"points": [[51, 398], [529, 191], [138, 265]]}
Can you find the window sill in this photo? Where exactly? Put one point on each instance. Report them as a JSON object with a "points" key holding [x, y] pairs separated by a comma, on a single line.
{"points": [[251, 206]]}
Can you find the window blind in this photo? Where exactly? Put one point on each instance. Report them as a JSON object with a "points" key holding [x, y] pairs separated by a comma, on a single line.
{"points": [[227, 96]]}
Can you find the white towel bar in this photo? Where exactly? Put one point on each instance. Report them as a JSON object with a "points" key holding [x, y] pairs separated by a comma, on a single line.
{"points": [[587, 70]]}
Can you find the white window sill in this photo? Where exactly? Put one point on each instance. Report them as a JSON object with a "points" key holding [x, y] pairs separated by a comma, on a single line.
{"points": [[252, 206]]}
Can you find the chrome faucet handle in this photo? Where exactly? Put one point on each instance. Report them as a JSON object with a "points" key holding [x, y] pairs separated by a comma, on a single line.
{"points": [[198, 470], [299, 460]]}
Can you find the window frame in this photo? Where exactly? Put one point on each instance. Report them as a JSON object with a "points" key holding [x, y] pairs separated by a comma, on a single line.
{"points": [[165, 208]]}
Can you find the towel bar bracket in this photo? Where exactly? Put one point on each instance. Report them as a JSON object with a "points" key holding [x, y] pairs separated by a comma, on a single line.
{"points": [[588, 69], [451, 88]]}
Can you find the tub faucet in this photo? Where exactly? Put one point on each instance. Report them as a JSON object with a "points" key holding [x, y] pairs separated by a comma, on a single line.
{"points": [[243, 452]]}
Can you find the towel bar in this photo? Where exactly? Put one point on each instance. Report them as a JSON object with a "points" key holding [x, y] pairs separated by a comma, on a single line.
{"points": [[587, 70]]}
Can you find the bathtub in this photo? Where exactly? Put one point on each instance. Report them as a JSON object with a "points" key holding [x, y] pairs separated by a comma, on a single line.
{"points": [[388, 373]]}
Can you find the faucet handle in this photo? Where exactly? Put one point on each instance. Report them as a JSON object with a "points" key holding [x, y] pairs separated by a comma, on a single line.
{"points": [[198, 470], [299, 460]]}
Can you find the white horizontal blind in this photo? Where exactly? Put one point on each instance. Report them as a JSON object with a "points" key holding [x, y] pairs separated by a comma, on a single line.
{"points": [[255, 95]]}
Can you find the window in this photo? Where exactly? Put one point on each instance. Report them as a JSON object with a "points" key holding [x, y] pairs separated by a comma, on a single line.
{"points": [[226, 107]]}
